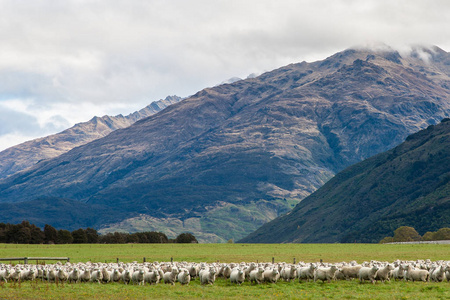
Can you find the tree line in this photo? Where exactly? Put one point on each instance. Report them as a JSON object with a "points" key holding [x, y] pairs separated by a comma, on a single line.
{"points": [[26, 233], [409, 234]]}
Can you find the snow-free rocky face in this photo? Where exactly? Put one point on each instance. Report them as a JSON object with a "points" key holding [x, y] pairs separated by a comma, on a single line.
{"points": [[230, 158]]}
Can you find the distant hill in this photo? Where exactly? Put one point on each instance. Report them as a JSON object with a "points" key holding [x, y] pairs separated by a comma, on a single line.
{"points": [[230, 158], [22, 156], [406, 186]]}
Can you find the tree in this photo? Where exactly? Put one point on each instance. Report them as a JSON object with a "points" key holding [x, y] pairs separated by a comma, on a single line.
{"points": [[79, 236], [50, 234], [442, 234], [186, 238], [388, 239], [92, 236], [37, 235], [23, 235], [406, 234], [428, 236], [156, 237], [64, 237], [133, 238]]}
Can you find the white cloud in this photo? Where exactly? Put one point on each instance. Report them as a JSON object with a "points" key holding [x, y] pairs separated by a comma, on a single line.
{"points": [[118, 54]]}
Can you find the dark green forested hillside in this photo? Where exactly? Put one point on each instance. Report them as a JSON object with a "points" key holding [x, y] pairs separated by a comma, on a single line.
{"points": [[406, 186]]}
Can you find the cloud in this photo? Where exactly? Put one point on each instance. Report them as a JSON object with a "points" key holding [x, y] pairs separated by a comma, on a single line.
{"points": [[111, 55]]}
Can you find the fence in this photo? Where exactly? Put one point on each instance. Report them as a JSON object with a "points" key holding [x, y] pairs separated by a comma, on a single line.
{"points": [[26, 259], [423, 242]]}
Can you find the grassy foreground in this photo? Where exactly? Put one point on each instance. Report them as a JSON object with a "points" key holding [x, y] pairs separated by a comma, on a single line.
{"points": [[225, 290], [230, 253]]}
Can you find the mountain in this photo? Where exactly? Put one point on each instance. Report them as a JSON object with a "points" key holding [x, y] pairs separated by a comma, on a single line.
{"points": [[230, 158], [406, 186], [22, 156]]}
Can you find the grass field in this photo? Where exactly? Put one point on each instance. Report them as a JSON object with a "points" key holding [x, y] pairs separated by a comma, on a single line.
{"points": [[230, 253]]}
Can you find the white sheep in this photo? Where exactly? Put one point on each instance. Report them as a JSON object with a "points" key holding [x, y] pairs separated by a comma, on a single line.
{"points": [[29, 274], [237, 276], [15, 274], [384, 272], [416, 274], [184, 277], [4, 275], [51, 275], [306, 272], [74, 276], [350, 271], [257, 276], [171, 277], [152, 277], [399, 272], [226, 271], [193, 271], [327, 274], [85, 275], [367, 273], [116, 275], [271, 275], [438, 274], [208, 276], [447, 272], [288, 273], [138, 277], [62, 275], [107, 275], [41, 274], [247, 270], [126, 276], [97, 276]]}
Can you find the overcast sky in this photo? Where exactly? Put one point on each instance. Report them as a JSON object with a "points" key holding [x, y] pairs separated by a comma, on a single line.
{"points": [[63, 62]]}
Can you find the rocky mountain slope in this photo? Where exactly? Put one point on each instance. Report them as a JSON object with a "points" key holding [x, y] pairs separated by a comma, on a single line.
{"points": [[230, 158], [22, 156], [406, 186]]}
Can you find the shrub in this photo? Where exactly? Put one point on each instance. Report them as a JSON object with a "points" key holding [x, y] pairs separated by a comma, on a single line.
{"points": [[406, 234], [186, 238]]}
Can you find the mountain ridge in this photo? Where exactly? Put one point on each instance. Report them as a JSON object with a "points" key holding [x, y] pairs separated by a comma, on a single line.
{"points": [[259, 145], [24, 155]]}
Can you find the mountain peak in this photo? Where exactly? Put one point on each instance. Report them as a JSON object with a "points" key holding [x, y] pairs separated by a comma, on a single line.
{"points": [[232, 157]]}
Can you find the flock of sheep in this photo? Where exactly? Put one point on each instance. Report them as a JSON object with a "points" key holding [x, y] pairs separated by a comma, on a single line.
{"points": [[255, 273]]}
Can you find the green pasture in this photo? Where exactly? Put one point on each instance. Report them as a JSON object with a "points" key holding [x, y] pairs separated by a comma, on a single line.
{"points": [[229, 253]]}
